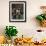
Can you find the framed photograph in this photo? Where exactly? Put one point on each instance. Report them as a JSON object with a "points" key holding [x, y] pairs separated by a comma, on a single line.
{"points": [[17, 11]]}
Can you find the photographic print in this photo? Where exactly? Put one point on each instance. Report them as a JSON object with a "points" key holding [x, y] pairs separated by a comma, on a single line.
{"points": [[17, 11]]}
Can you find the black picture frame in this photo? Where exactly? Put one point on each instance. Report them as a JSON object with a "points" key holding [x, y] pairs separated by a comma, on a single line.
{"points": [[17, 11]]}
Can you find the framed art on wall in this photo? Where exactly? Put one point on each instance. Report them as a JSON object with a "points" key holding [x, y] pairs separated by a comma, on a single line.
{"points": [[17, 11]]}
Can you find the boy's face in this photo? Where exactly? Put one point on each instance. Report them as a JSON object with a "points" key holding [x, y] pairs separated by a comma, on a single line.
{"points": [[43, 8]]}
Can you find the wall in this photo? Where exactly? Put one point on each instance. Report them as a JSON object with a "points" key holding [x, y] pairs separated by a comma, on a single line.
{"points": [[26, 28]]}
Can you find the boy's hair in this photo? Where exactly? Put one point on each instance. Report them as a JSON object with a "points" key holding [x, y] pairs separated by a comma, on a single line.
{"points": [[42, 7]]}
